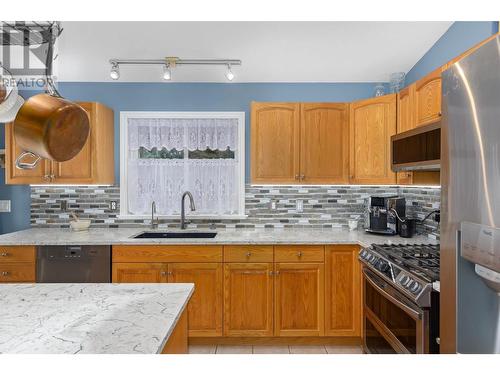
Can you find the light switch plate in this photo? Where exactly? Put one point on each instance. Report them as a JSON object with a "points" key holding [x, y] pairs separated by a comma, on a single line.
{"points": [[4, 205], [300, 205]]}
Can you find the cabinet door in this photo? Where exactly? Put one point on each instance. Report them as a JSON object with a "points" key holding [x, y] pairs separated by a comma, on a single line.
{"points": [[79, 169], [428, 98], [324, 143], [248, 299], [38, 175], [342, 291], [275, 142], [205, 305], [139, 273], [372, 123], [299, 299]]}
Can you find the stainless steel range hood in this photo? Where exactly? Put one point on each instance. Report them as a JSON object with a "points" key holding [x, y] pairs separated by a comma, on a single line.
{"points": [[418, 149]]}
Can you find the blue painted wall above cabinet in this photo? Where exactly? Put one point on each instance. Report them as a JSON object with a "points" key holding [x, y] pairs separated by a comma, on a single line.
{"points": [[461, 36]]}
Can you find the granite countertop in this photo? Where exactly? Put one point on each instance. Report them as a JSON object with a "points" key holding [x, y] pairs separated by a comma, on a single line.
{"points": [[90, 318], [110, 236]]}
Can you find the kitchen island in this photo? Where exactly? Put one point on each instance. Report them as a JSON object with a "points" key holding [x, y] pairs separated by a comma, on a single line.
{"points": [[93, 318]]}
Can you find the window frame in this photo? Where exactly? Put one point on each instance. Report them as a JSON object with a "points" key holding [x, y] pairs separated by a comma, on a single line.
{"points": [[126, 115]]}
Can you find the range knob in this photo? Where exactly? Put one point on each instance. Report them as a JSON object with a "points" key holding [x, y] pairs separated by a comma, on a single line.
{"points": [[415, 287], [363, 254], [373, 260], [382, 266], [404, 279]]}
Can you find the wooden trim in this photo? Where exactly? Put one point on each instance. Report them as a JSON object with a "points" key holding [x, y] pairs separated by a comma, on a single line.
{"points": [[178, 341], [310, 340]]}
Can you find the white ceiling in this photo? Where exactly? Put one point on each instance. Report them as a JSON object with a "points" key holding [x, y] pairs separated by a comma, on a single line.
{"points": [[270, 51]]}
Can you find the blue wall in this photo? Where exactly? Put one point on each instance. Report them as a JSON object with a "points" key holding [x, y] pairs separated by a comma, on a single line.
{"points": [[177, 97], [460, 37]]}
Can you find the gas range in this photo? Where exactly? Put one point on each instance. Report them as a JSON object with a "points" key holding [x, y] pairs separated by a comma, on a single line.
{"points": [[411, 269]]}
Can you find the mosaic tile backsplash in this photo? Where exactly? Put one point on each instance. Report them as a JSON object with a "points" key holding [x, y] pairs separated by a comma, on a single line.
{"points": [[266, 206]]}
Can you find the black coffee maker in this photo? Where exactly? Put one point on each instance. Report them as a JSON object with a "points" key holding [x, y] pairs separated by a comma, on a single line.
{"points": [[383, 212]]}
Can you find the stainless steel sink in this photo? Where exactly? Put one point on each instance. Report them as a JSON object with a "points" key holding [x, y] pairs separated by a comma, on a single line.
{"points": [[176, 235]]}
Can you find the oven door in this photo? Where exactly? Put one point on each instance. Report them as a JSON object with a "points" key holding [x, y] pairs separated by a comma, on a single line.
{"points": [[392, 323]]}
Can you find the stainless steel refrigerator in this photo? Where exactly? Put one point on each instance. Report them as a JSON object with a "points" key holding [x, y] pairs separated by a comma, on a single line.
{"points": [[470, 203]]}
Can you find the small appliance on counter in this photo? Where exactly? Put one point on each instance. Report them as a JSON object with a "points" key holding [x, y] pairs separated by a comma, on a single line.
{"points": [[382, 214]]}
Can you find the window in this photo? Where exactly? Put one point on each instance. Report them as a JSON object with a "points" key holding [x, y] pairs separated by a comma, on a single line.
{"points": [[163, 154]]}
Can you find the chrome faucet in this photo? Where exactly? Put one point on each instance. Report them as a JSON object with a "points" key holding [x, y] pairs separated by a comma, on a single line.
{"points": [[183, 214], [154, 223]]}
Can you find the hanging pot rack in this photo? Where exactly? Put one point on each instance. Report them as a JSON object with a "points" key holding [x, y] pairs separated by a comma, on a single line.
{"points": [[20, 33]]}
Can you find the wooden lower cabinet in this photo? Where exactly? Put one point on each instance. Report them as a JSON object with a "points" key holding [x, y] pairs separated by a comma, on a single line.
{"points": [[342, 291], [205, 306], [248, 299], [139, 273], [299, 299]]}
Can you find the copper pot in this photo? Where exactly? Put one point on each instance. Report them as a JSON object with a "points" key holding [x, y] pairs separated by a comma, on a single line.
{"points": [[50, 127]]}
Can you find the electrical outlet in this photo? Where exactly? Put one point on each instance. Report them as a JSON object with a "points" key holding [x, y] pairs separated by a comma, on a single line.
{"points": [[272, 204], [112, 205], [300, 205], [5, 206]]}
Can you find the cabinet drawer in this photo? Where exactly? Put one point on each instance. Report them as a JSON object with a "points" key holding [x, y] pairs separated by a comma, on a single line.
{"points": [[15, 272], [299, 253], [167, 253], [248, 253], [9, 254]]}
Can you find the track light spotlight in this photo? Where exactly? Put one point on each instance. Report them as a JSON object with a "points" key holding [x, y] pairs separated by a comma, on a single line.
{"points": [[229, 73], [115, 72]]}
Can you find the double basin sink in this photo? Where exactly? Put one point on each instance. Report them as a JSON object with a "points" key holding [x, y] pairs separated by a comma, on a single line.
{"points": [[168, 235]]}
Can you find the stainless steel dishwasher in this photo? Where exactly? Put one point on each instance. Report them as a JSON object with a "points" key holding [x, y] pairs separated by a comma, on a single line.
{"points": [[73, 264]]}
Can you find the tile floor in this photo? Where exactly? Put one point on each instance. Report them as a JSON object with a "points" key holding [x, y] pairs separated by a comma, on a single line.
{"points": [[271, 349]]}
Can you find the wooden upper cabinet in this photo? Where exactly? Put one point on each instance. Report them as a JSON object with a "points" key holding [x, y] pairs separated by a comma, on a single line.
{"points": [[299, 299], [405, 122], [372, 123], [205, 306], [41, 174], [248, 299], [324, 143], [275, 142], [406, 109], [342, 291], [139, 273], [94, 164], [428, 98]]}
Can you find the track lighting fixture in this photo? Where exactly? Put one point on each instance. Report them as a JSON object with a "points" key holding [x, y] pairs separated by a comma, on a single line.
{"points": [[167, 74], [229, 73], [115, 71], [170, 63]]}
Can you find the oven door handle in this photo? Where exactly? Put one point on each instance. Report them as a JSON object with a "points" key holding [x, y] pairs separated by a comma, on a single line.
{"points": [[413, 313]]}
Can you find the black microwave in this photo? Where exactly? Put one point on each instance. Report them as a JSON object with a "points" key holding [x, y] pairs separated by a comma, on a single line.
{"points": [[417, 149]]}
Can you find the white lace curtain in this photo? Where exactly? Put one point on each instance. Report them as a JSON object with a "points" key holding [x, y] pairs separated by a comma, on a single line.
{"points": [[214, 183]]}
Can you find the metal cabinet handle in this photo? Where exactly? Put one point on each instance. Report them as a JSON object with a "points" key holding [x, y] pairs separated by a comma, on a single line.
{"points": [[4, 254], [271, 273], [46, 177], [32, 165], [277, 273], [297, 177], [5, 273], [302, 177], [299, 254], [248, 254]]}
